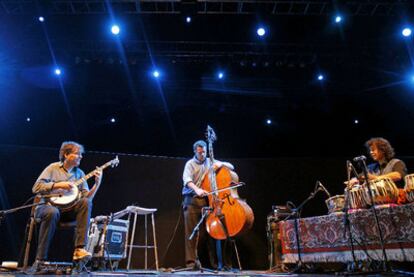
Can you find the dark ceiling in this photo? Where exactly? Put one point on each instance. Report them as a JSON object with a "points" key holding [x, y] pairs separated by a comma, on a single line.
{"points": [[365, 62]]}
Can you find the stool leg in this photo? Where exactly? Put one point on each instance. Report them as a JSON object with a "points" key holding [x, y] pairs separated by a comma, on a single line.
{"points": [[131, 244], [155, 241], [146, 243]]}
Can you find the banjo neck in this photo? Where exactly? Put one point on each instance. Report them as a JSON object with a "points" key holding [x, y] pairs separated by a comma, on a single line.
{"points": [[67, 199], [91, 174]]}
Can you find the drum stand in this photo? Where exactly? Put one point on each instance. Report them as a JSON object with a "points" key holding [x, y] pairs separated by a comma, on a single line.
{"points": [[301, 266]]}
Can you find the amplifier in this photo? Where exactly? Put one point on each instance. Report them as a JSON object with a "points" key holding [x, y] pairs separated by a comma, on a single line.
{"points": [[108, 240]]}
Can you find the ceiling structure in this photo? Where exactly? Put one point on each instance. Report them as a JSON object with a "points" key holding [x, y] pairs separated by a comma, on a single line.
{"points": [[364, 61]]}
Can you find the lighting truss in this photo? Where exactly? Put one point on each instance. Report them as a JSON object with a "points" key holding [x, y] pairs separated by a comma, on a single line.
{"points": [[272, 7]]}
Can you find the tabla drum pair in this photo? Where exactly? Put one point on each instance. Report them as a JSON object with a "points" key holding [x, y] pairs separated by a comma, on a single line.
{"points": [[409, 187], [384, 191]]}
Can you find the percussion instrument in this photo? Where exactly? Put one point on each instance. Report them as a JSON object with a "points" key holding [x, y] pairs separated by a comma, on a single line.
{"points": [[357, 197], [335, 203], [409, 187], [384, 191]]}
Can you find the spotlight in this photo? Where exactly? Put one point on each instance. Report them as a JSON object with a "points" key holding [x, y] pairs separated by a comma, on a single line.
{"points": [[115, 29], [113, 120], [58, 71], [356, 121], [188, 19], [406, 32], [220, 75], [321, 77], [338, 19], [41, 19], [156, 73], [261, 31], [28, 119], [268, 121]]}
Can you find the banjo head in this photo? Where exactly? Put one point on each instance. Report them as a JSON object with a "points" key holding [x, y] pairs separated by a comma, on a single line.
{"points": [[66, 196]]}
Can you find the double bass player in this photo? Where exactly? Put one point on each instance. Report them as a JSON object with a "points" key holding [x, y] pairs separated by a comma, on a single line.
{"points": [[194, 199]]}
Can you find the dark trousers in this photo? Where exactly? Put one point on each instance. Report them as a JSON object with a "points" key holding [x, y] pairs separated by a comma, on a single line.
{"points": [[192, 214], [50, 216]]}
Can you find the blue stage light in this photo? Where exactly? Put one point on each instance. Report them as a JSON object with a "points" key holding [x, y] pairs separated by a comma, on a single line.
{"points": [[321, 77], [338, 19], [220, 75], [41, 19], [268, 121], [28, 119], [113, 120], [58, 71], [188, 19], [156, 74], [406, 32], [115, 29], [261, 31]]}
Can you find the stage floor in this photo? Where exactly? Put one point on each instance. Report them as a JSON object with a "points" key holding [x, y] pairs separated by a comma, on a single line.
{"points": [[244, 273]]}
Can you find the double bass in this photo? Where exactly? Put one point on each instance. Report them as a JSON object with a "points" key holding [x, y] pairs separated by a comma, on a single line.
{"points": [[230, 216]]}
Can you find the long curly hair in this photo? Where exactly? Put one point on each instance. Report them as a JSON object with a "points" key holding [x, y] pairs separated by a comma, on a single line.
{"points": [[382, 145]]}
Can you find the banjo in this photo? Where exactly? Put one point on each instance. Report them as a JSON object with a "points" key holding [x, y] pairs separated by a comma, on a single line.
{"points": [[67, 199]]}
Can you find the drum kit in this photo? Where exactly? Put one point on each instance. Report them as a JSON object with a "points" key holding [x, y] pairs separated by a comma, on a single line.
{"points": [[384, 191]]}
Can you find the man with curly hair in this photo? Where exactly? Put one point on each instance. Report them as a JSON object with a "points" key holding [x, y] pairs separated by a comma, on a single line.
{"points": [[385, 165]]}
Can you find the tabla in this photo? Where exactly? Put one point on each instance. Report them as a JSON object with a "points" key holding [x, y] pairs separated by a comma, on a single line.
{"points": [[335, 203], [409, 187], [357, 197], [384, 191]]}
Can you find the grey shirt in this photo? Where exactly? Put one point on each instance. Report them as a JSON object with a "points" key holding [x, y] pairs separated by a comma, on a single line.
{"points": [[55, 173], [194, 171]]}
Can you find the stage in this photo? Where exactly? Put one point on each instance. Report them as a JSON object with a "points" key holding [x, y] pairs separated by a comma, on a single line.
{"points": [[199, 273]]}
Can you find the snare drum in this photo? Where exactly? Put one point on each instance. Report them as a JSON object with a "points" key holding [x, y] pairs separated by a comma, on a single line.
{"points": [[384, 191], [357, 197], [335, 203], [409, 187]]}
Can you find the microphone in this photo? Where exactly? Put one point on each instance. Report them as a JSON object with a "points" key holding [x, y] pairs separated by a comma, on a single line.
{"points": [[323, 188], [350, 167], [360, 158]]}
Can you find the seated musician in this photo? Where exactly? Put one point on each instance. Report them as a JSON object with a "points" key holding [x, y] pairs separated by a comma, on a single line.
{"points": [[385, 165], [194, 199], [59, 176]]}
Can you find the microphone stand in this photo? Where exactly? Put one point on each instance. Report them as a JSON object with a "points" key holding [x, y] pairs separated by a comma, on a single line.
{"points": [[347, 223], [296, 215], [205, 211], [385, 265], [3, 213]]}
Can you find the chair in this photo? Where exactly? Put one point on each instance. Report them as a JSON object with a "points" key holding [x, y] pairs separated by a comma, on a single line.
{"points": [[144, 212], [30, 227]]}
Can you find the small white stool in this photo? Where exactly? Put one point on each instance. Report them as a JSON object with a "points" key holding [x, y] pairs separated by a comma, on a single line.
{"points": [[145, 212]]}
